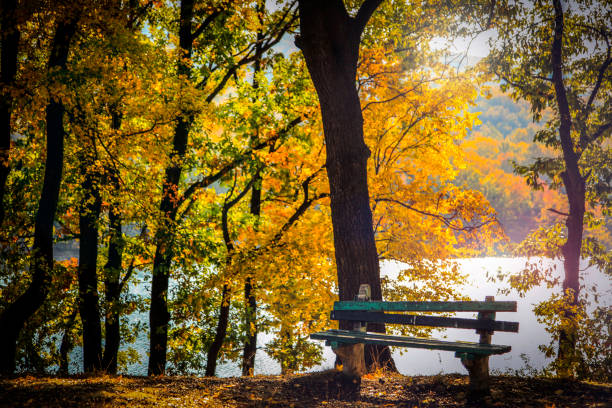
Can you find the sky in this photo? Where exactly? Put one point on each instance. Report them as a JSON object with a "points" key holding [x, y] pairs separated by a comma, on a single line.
{"points": [[476, 47]]}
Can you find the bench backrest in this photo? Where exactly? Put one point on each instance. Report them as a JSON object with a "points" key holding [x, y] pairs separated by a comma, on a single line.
{"points": [[374, 311], [458, 306]]}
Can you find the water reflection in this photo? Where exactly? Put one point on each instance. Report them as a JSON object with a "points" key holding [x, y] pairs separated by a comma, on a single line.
{"points": [[427, 362]]}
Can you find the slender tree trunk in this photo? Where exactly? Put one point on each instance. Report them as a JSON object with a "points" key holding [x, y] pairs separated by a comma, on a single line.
{"points": [[575, 189], [215, 347], [250, 320], [112, 271], [330, 42], [226, 297], [250, 302], [159, 315], [226, 292], [162, 262], [89, 307], [14, 316], [9, 46], [66, 344]]}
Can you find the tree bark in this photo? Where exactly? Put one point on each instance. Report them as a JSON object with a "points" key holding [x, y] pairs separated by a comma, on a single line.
{"points": [[226, 293], [66, 344], [14, 316], [162, 262], [250, 321], [112, 287], [250, 302], [89, 308], [9, 47], [575, 189], [329, 39], [215, 347]]}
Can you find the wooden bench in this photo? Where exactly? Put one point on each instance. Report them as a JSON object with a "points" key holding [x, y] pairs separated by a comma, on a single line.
{"points": [[349, 344]]}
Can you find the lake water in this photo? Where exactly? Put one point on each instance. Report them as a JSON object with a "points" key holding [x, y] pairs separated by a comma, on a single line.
{"points": [[427, 362], [430, 362]]}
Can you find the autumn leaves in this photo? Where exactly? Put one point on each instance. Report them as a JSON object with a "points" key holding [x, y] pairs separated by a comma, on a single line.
{"points": [[195, 165]]}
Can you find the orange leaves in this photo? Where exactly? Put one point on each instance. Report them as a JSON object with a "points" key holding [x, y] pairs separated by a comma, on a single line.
{"points": [[413, 122], [69, 263]]}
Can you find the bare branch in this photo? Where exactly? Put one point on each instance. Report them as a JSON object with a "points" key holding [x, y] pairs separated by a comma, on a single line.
{"points": [[552, 210], [445, 219]]}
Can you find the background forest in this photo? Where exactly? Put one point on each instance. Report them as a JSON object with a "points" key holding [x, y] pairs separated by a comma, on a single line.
{"points": [[167, 159]]}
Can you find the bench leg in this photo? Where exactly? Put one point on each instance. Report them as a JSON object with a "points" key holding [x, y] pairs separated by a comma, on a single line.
{"points": [[478, 368], [353, 362]]}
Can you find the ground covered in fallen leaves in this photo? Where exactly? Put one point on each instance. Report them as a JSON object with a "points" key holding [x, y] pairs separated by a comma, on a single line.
{"points": [[306, 390]]}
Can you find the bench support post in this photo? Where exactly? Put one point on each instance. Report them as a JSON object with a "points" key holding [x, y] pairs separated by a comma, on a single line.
{"points": [[352, 355], [353, 362], [477, 365], [478, 368]]}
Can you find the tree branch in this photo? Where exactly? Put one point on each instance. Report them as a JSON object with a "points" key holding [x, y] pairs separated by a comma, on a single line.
{"points": [[552, 210], [446, 220], [254, 51], [365, 12], [227, 205], [207, 21], [208, 180]]}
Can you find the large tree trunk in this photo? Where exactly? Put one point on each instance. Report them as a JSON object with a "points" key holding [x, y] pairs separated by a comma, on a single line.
{"points": [[575, 189], [9, 45], [329, 39], [159, 315], [14, 316], [89, 308]]}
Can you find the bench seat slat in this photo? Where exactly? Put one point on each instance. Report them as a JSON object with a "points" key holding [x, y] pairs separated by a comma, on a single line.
{"points": [[457, 306], [433, 321], [352, 337]]}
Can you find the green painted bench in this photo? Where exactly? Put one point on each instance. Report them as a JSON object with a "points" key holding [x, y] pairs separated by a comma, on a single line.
{"points": [[348, 344]]}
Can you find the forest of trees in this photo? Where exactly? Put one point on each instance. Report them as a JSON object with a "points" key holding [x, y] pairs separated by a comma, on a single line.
{"points": [[182, 147]]}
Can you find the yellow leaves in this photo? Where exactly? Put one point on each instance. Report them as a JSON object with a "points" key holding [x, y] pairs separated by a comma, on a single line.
{"points": [[279, 157]]}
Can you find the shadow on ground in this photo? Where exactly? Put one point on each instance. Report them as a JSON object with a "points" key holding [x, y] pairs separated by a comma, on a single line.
{"points": [[307, 390]]}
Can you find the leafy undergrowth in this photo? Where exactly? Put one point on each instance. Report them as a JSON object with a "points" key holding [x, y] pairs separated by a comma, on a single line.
{"points": [[307, 390]]}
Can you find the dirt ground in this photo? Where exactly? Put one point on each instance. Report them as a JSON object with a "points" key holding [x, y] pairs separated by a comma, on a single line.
{"points": [[306, 390]]}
